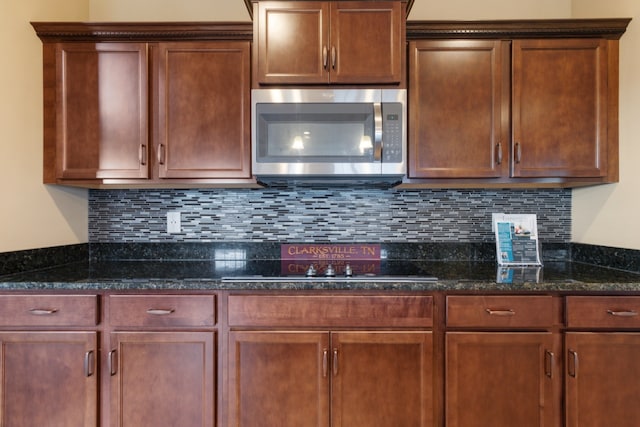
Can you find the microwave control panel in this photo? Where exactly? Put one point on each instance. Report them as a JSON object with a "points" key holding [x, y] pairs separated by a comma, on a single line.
{"points": [[392, 124]]}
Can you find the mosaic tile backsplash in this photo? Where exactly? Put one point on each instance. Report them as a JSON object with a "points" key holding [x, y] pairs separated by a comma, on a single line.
{"points": [[331, 214]]}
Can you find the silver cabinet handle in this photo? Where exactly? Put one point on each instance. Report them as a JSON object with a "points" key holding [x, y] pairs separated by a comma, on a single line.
{"points": [[89, 363], [160, 311], [325, 56], [143, 154], [623, 313], [113, 368], [325, 362], [507, 312], [518, 152], [499, 153], [334, 57], [335, 362], [161, 154], [573, 363], [548, 365], [43, 311]]}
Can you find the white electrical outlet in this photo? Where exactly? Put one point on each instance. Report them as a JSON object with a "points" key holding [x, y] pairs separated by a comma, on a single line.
{"points": [[173, 222]]}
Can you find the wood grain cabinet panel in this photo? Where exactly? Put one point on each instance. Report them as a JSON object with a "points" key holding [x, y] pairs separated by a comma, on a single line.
{"points": [[330, 311], [278, 379], [502, 379], [167, 311], [203, 110], [101, 111], [602, 379], [500, 311], [519, 111], [560, 102], [457, 104], [354, 379], [602, 373], [320, 42], [159, 105], [47, 310], [49, 379], [598, 312], [382, 379], [162, 379]]}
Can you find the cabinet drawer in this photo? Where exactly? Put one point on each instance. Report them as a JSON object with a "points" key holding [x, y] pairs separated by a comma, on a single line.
{"points": [[500, 311], [327, 311], [603, 312], [49, 310], [161, 310]]}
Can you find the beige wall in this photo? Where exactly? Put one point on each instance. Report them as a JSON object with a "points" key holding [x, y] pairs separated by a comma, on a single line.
{"points": [[609, 215], [490, 9], [168, 10], [32, 215], [235, 10]]}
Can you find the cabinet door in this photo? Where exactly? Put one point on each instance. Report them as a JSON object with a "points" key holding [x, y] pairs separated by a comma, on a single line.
{"points": [[162, 379], [459, 106], [502, 379], [560, 108], [602, 379], [101, 110], [293, 42], [204, 110], [49, 379], [381, 379], [278, 379], [366, 42]]}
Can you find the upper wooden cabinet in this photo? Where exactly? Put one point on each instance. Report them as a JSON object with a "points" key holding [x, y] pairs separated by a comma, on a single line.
{"points": [[168, 106], [346, 42], [458, 95], [560, 101], [203, 110], [100, 103], [532, 103]]}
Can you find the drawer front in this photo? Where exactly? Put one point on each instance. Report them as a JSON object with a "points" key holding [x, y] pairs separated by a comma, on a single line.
{"points": [[330, 311], [500, 311], [603, 312], [49, 310], [162, 310]]}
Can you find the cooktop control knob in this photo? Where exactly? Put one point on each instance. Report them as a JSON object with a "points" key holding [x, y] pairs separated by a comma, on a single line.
{"points": [[330, 272], [311, 271], [348, 272]]}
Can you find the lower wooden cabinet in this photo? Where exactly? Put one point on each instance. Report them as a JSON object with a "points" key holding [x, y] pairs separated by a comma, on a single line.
{"points": [[602, 374], [162, 379], [602, 379], [502, 379], [502, 361], [49, 379], [350, 378], [161, 363], [49, 360], [319, 360]]}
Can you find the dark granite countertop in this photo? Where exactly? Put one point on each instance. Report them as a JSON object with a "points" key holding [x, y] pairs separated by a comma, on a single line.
{"points": [[554, 276]]}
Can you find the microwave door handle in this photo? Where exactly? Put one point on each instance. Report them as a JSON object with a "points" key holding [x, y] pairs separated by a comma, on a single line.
{"points": [[377, 135]]}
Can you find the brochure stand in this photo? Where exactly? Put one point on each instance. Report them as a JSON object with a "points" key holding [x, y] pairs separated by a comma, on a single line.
{"points": [[516, 240]]}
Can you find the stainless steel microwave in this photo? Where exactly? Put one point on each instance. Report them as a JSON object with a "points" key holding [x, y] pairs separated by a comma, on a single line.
{"points": [[339, 133]]}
